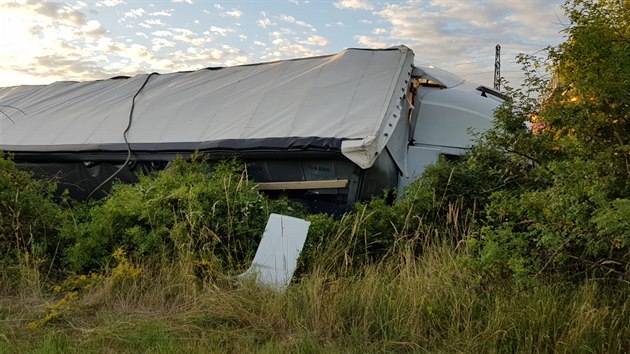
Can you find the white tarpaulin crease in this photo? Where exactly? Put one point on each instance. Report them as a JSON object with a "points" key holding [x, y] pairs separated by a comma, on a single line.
{"points": [[354, 96]]}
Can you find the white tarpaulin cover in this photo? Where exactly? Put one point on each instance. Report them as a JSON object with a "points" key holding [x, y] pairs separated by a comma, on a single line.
{"points": [[349, 102]]}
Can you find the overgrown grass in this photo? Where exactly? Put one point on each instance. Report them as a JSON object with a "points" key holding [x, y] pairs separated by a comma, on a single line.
{"points": [[433, 303]]}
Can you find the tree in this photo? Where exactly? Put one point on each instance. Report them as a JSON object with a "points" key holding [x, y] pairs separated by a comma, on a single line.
{"points": [[562, 196], [591, 106]]}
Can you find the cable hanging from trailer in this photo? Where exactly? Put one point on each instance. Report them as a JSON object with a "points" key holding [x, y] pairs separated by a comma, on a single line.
{"points": [[125, 132]]}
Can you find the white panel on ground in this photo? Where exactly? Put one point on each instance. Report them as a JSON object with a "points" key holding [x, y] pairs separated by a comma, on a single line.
{"points": [[278, 252]]}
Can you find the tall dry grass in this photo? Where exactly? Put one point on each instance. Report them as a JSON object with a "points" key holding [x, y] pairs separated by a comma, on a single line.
{"points": [[406, 303], [422, 296]]}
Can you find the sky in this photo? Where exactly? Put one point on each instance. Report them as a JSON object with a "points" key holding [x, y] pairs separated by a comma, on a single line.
{"points": [[46, 41]]}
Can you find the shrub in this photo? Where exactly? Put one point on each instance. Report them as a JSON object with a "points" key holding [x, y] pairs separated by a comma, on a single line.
{"points": [[184, 211], [564, 201], [29, 220]]}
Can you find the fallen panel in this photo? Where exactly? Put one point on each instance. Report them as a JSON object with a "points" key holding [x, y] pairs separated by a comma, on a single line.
{"points": [[278, 252]]}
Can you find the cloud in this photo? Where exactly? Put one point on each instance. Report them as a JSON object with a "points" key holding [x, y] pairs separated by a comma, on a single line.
{"points": [[284, 32], [286, 44], [109, 3], [52, 41], [233, 13], [316, 41], [379, 31], [73, 35], [220, 30], [264, 23], [289, 51], [293, 20], [134, 13], [289, 19], [155, 22], [189, 2], [78, 5], [152, 22], [183, 34], [354, 4], [217, 56], [445, 31], [61, 65], [31, 28], [92, 28], [162, 33], [166, 13], [468, 25], [370, 42], [159, 43], [236, 13], [63, 14]]}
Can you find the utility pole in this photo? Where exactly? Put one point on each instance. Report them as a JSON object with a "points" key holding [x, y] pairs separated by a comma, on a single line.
{"points": [[497, 67]]}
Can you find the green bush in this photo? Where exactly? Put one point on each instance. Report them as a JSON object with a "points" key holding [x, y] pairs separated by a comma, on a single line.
{"points": [[560, 201], [29, 219], [184, 211]]}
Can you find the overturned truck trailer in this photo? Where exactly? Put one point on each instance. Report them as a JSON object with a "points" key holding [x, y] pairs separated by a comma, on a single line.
{"points": [[326, 131]]}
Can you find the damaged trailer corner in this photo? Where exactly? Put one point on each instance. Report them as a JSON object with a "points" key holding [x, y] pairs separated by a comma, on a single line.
{"points": [[325, 131]]}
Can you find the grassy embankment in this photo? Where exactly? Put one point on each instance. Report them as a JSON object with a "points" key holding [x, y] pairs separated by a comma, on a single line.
{"points": [[383, 278], [432, 303]]}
